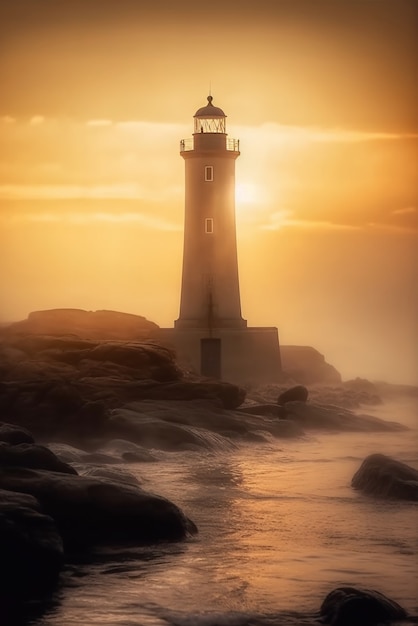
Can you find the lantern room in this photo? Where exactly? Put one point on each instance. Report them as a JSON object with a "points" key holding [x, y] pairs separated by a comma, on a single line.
{"points": [[209, 119]]}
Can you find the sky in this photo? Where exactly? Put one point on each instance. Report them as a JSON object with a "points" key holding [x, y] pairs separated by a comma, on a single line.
{"points": [[322, 94]]}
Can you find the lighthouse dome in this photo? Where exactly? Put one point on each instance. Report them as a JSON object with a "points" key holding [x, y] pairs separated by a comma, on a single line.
{"points": [[209, 110]]}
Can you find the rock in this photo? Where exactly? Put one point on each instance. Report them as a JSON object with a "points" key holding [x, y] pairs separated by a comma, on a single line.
{"points": [[307, 366], [128, 451], [230, 395], [90, 511], [112, 474], [33, 456], [9, 433], [180, 425], [64, 386], [348, 606], [316, 416], [156, 433], [88, 324], [31, 552], [298, 394], [67, 453], [379, 475]]}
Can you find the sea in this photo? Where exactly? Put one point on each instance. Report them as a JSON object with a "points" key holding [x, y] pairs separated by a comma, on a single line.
{"points": [[279, 527]]}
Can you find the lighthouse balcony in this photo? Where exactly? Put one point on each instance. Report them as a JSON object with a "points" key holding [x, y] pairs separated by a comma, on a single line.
{"points": [[209, 141]]}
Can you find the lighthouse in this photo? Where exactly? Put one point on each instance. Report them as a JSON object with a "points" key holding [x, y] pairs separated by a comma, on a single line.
{"points": [[210, 336], [210, 296]]}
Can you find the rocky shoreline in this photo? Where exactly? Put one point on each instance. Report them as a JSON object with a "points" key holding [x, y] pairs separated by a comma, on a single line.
{"points": [[100, 402]]}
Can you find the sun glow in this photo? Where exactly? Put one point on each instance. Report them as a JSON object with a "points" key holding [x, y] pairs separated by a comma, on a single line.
{"points": [[247, 195]]}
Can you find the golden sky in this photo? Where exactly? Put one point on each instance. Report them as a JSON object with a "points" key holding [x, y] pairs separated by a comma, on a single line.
{"points": [[95, 96]]}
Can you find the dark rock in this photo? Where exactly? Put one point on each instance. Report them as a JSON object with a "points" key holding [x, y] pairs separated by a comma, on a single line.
{"points": [[348, 606], [156, 433], [379, 475], [151, 357], [12, 434], [90, 511], [33, 456], [67, 453], [298, 394], [112, 474], [31, 552], [230, 395], [198, 423]]}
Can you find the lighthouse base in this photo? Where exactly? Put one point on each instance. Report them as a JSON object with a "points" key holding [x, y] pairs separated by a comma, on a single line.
{"points": [[239, 355]]}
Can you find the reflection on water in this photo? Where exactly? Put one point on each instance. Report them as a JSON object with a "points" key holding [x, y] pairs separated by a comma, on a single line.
{"points": [[279, 526]]}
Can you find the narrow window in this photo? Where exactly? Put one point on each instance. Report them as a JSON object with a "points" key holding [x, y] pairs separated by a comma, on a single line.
{"points": [[209, 225], [208, 173]]}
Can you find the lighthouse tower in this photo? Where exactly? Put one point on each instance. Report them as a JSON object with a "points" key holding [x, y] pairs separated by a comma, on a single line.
{"points": [[210, 296], [210, 335]]}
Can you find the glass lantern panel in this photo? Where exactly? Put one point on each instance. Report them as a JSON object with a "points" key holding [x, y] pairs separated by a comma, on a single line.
{"points": [[209, 125]]}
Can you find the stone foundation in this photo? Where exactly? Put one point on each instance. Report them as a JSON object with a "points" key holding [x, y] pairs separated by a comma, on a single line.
{"points": [[248, 355]]}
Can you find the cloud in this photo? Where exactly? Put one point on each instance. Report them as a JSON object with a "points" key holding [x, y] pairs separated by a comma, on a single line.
{"points": [[406, 211], [273, 133], [88, 218], [36, 120], [326, 175], [283, 219], [123, 191], [99, 123]]}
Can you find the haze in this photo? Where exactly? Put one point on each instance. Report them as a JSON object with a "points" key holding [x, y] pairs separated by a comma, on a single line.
{"points": [[322, 95]]}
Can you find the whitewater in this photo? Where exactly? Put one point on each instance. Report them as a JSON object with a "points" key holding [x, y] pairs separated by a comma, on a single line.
{"points": [[279, 527]]}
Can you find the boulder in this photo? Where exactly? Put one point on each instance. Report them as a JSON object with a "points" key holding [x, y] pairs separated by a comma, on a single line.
{"points": [[33, 456], [298, 394], [381, 476], [348, 606], [12, 434], [31, 551], [90, 511]]}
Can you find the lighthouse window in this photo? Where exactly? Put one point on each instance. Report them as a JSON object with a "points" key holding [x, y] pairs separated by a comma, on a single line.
{"points": [[209, 173], [209, 225]]}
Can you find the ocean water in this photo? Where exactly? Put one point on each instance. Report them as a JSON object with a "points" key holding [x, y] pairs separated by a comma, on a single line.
{"points": [[279, 527]]}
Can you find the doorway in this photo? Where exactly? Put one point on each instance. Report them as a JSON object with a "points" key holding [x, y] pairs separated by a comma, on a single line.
{"points": [[210, 357]]}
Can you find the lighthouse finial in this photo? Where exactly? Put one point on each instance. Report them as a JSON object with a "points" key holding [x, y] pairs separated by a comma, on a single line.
{"points": [[210, 100]]}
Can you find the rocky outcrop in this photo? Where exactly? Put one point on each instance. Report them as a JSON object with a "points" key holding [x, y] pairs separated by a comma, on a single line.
{"points": [[89, 511], [47, 512], [334, 418], [34, 456], [298, 394], [12, 434], [31, 551], [87, 324], [348, 606], [197, 424], [64, 387], [381, 476], [307, 366]]}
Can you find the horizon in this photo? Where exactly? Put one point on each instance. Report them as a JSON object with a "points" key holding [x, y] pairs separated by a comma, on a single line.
{"points": [[92, 184]]}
